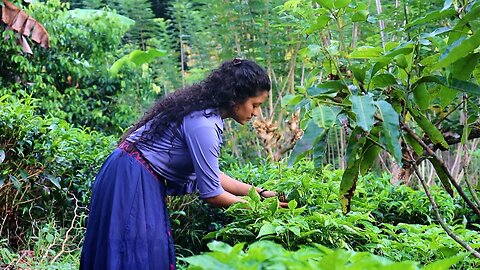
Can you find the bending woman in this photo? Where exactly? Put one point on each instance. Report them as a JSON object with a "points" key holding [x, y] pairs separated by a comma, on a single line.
{"points": [[174, 150]]}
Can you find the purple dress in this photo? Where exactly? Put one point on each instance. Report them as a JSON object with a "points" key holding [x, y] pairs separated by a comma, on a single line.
{"points": [[128, 224]]}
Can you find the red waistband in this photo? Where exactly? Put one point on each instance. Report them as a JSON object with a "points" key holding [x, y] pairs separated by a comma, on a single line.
{"points": [[132, 151]]}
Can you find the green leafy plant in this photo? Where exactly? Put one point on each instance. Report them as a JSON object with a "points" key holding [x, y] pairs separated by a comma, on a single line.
{"points": [[268, 255]]}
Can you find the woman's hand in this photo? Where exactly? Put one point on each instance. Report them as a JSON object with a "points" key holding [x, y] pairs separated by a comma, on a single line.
{"points": [[281, 197]]}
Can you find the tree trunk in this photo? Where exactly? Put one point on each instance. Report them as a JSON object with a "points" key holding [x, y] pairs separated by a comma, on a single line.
{"points": [[381, 23]]}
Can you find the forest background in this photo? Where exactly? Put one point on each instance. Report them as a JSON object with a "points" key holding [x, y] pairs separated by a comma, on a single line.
{"points": [[385, 94]]}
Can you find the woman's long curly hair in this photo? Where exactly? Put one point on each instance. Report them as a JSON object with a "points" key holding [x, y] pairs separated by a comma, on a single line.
{"points": [[232, 83]]}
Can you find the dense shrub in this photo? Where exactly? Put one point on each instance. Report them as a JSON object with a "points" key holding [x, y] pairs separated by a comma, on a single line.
{"points": [[384, 218], [47, 167], [72, 78]]}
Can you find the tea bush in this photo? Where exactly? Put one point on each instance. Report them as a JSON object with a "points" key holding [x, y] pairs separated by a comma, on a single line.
{"points": [[46, 168], [384, 218], [269, 255]]}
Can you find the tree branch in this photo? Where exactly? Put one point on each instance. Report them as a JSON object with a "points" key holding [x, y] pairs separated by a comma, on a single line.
{"points": [[439, 217], [444, 168]]}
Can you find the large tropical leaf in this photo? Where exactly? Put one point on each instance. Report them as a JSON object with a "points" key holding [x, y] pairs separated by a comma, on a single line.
{"points": [[136, 57], [458, 49], [319, 149], [432, 16], [325, 116], [369, 155], [426, 125], [313, 133], [442, 175], [325, 88], [391, 129], [348, 184], [364, 109], [460, 85]]}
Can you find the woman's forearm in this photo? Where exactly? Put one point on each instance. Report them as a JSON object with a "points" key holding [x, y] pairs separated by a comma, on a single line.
{"points": [[224, 200], [234, 186]]}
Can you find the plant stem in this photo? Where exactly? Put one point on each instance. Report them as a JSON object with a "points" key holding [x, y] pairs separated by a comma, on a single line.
{"points": [[439, 217], [444, 168]]}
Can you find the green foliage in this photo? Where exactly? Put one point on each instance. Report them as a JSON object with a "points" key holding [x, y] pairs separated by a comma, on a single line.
{"points": [[383, 218], [391, 86], [46, 250], [72, 78], [268, 255], [47, 169]]}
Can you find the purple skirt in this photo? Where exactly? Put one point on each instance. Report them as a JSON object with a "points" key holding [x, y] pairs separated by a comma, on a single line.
{"points": [[128, 224]]}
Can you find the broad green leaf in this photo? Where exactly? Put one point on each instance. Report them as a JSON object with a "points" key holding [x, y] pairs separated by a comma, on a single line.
{"points": [[219, 246], [239, 232], [432, 16], [266, 229], [463, 68], [442, 175], [139, 57], [466, 87], [458, 49], [401, 61], [359, 72], [292, 204], [391, 129], [136, 57], [326, 87], [384, 80], [379, 64], [295, 230], [360, 16], [370, 154], [321, 23], [310, 136], [463, 86], [206, 262], [421, 97], [403, 49], [461, 28], [237, 249], [291, 100], [364, 109], [436, 32], [348, 185], [414, 144], [354, 146], [253, 194], [325, 116], [341, 3], [326, 3], [366, 52], [445, 264], [319, 150], [273, 206], [446, 96], [426, 125]]}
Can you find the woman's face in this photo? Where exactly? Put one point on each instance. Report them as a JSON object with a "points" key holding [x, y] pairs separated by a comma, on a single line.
{"points": [[243, 112]]}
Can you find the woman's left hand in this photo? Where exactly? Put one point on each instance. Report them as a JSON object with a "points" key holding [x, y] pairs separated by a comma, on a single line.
{"points": [[281, 197]]}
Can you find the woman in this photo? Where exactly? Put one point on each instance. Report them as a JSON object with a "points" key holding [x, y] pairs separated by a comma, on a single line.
{"points": [[174, 150]]}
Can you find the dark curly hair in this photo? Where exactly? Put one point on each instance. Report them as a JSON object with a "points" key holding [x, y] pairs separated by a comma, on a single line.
{"points": [[232, 83]]}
